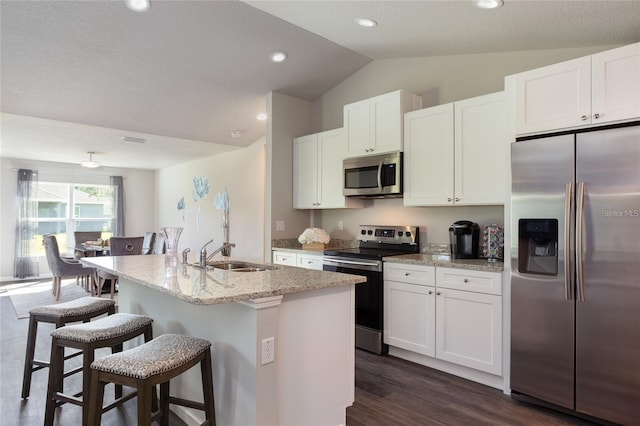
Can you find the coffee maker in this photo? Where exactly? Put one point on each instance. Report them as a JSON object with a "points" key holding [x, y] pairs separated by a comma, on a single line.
{"points": [[464, 237]]}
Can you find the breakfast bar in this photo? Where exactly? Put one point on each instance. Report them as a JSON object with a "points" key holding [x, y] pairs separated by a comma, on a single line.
{"points": [[283, 337]]}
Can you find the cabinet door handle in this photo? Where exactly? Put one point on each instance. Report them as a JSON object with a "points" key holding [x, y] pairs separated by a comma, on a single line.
{"points": [[449, 199], [596, 116], [583, 118], [457, 199], [430, 291], [406, 274], [438, 293], [466, 280]]}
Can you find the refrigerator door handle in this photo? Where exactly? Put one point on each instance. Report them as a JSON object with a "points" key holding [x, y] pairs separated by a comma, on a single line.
{"points": [[579, 260], [568, 279]]}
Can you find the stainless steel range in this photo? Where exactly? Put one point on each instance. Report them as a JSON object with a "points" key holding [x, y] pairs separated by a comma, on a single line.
{"points": [[376, 242]]}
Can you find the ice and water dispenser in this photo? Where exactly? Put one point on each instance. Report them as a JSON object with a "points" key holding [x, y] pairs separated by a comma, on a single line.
{"points": [[538, 246]]}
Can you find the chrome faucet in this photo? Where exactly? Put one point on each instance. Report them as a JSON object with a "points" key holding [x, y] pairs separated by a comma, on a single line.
{"points": [[225, 249], [203, 253]]}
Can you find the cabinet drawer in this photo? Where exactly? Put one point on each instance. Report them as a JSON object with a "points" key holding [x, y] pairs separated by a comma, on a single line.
{"points": [[408, 273], [461, 279], [284, 258], [310, 262]]}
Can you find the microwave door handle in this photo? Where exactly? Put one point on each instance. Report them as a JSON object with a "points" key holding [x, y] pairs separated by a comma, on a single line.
{"points": [[380, 175]]}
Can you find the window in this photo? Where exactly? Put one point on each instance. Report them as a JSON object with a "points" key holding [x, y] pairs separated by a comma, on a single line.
{"points": [[64, 208]]}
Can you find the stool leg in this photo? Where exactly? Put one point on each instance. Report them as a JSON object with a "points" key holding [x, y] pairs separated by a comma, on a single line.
{"points": [[164, 403], [144, 403], [28, 358], [96, 396], [118, 387], [87, 358], [56, 367], [207, 388]]}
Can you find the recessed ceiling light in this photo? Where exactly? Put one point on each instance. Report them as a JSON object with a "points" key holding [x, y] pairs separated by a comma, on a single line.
{"points": [[366, 22], [262, 116], [487, 4], [278, 56], [236, 134], [138, 5]]}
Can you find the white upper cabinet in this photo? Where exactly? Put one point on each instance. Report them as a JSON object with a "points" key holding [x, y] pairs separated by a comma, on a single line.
{"points": [[375, 125], [615, 76], [597, 89], [481, 150], [318, 171], [428, 156], [456, 154]]}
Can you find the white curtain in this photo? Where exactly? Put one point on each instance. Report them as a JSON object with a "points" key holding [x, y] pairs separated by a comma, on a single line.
{"points": [[26, 262], [118, 203]]}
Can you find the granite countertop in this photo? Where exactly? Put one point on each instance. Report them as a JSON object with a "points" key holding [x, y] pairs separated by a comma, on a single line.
{"points": [[214, 286], [297, 250], [447, 262]]}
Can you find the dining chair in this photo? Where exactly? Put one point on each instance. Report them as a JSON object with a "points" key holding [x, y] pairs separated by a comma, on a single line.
{"points": [[119, 246], [147, 244], [61, 268]]}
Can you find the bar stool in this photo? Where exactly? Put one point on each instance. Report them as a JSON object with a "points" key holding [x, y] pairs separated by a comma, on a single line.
{"points": [[82, 309], [148, 365], [109, 332]]}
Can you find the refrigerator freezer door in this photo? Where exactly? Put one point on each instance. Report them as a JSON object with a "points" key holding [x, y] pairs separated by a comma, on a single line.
{"points": [[608, 321], [542, 308]]}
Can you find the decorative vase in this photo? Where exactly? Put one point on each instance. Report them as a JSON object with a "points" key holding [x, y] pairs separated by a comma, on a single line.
{"points": [[172, 236]]}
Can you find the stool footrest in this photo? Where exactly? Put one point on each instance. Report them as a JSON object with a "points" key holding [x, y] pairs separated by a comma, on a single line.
{"points": [[73, 399], [119, 401], [186, 403], [72, 372]]}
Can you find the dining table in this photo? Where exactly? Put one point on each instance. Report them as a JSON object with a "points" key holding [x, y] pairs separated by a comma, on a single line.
{"points": [[87, 250]]}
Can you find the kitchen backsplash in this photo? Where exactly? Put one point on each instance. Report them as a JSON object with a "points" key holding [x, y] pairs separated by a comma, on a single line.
{"points": [[292, 243]]}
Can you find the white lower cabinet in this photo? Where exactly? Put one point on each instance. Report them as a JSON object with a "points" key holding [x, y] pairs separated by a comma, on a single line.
{"points": [[285, 258], [409, 308], [469, 329], [302, 260], [309, 261], [448, 315]]}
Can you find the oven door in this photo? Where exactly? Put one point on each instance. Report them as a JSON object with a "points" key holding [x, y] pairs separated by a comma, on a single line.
{"points": [[368, 303]]}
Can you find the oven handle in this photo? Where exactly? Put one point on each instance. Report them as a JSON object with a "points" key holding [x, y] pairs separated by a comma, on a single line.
{"points": [[353, 264]]}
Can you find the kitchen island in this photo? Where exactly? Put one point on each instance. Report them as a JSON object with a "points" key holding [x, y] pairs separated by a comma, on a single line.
{"points": [[283, 339]]}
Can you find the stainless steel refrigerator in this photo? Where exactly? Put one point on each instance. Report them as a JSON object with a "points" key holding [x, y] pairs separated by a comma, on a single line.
{"points": [[575, 280]]}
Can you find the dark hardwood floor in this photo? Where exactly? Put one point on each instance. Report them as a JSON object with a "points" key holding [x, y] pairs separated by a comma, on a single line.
{"points": [[389, 391]]}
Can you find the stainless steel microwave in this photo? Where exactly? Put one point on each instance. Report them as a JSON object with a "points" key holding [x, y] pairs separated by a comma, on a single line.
{"points": [[373, 176]]}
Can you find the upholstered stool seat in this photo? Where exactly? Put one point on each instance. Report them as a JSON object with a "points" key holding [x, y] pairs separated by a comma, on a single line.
{"points": [[109, 332], [150, 364], [83, 309]]}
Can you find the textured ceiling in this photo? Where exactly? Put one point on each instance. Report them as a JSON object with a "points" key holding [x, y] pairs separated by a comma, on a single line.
{"points": [[187, 73]]}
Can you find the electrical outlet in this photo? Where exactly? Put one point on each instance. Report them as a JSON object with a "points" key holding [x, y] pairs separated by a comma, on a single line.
{"points": [[279, 225], [340, 225], [268, 351]]}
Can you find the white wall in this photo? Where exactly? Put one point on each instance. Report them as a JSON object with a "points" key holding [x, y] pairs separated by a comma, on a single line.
{"points": [[243, 173], [289, 118], [139, 192]]}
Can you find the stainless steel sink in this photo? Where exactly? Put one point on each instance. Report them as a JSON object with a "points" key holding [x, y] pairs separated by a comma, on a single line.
{"points": [[238, 266]]}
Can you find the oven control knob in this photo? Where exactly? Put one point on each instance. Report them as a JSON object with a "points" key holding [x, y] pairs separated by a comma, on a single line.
{"points": [[407, 233], [370, 232], [363, 232], [400, 233]]}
